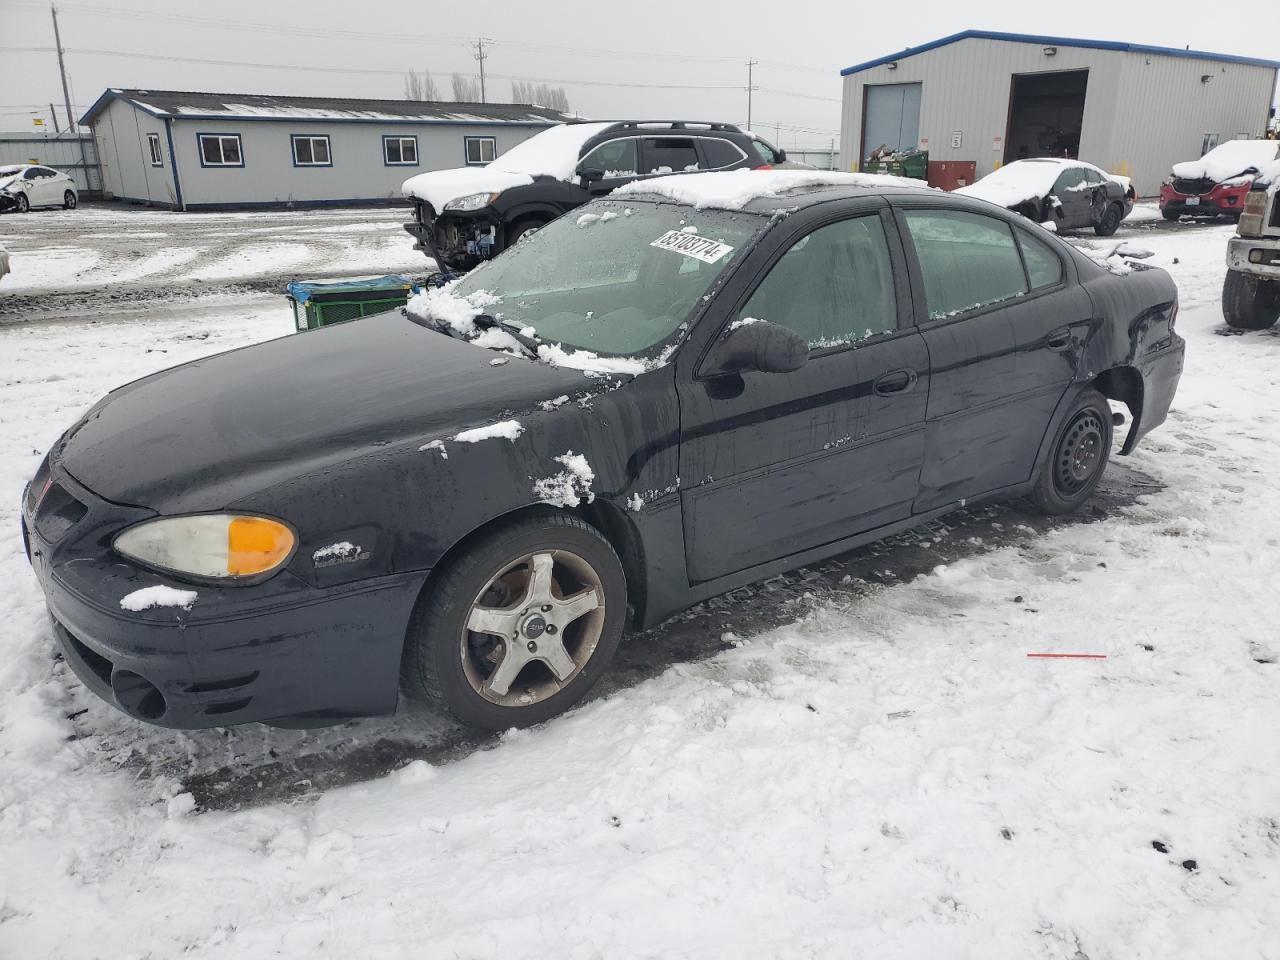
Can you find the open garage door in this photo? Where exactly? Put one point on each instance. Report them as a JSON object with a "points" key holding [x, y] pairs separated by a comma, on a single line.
{"points": [[891, 117], [1046, 112]]}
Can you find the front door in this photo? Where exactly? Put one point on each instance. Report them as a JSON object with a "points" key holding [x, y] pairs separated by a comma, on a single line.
{"points": [[1002, 325], [618, 161], [775, 464], [1075, 195]]}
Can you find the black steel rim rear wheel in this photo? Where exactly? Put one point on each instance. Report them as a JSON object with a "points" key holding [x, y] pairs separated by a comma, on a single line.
{"points": [[1079, 455]]}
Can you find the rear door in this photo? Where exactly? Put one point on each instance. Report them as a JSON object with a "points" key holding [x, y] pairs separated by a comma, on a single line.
{"points": [[1002, 317], [774, 464], [661, 155]]}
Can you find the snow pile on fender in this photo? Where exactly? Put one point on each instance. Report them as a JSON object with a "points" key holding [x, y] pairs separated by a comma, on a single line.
{"points": [[570, 485], [734, 189]]}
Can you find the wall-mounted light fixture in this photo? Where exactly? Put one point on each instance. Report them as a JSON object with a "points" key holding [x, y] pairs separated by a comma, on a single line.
{"points": [[1206, 77], [1050, 51], [892, 65]]}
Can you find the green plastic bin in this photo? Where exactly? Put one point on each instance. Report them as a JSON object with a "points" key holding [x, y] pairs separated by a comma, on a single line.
{"points": [[914, 165], [321, 303]]}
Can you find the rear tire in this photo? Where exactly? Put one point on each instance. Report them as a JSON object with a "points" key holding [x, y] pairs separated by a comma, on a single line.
{"points": [[1078, 457], [1110, 220], [1249, 302], [1171, 214], [497, 583], [69, 200]]}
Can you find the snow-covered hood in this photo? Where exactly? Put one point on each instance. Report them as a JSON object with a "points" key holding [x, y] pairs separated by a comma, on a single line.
{"points": [[551, 153], [1228, 160], [11, 178], [206, 434]]}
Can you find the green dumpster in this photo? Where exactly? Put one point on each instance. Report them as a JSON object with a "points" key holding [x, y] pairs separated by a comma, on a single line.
{"points": [[914, 164], [319, 303]]}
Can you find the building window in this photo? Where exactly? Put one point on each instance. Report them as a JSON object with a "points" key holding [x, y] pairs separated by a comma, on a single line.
{"points": [[153, 146], [481, 150], [220, 150], [311, 151], [400, 151], [1208, 143]]}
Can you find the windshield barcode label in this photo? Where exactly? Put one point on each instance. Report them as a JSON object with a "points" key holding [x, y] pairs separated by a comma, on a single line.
{"points": [[692, 245]]}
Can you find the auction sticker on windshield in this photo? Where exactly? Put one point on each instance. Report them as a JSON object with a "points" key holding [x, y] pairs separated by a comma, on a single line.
{"points": [[692, 245]]}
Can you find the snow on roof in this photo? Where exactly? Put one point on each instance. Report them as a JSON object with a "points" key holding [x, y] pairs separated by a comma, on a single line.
{"points": [[1229, 159], [1022, 180], [250, 106], [734, 189]]}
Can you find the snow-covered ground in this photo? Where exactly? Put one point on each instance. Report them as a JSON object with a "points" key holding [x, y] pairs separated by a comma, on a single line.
{"points": [[113, 245], [888, 776]]}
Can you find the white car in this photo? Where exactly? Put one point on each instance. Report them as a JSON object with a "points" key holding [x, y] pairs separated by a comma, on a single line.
{"points": [[4, 262], [25, 186]]}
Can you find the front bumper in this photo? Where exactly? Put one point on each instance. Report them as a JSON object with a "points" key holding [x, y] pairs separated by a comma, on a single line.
{"points": [[1258, 256], [1219, 200], [279, 651]]}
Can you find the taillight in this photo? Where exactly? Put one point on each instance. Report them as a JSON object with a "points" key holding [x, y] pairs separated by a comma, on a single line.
{"points": [[1255, 210], [764, 166]]}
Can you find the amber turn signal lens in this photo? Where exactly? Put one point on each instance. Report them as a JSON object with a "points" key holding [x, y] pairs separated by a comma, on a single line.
{"points": [[255, 545]]}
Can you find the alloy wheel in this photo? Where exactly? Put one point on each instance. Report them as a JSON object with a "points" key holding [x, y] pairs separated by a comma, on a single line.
{"points": [[532, 628]]}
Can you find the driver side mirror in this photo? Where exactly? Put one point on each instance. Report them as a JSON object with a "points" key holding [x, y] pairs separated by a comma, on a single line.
{"points": [[781, 155], [757, 345], [591, 174]]}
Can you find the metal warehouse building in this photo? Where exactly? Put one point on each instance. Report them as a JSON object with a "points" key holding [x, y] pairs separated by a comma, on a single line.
{"points": [[196, 151], [986, 99]]}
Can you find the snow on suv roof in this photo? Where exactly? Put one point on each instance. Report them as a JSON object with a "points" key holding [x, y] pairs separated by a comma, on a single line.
{"points": [[735, 189]]}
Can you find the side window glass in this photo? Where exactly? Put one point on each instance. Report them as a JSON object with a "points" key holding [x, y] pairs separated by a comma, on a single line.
{"points": [[617, 158], [833, 287], [1068, 180], [1043, 266], [669, 155], [967, 260], [765, 151], [720, 153]]}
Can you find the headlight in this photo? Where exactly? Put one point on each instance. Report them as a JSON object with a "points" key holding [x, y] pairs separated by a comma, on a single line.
{"points": [[472, 201], [216, 546]]}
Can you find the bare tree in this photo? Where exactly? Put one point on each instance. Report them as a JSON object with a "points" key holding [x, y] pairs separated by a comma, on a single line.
{"points": [[420, 86], [540, 95], [465, 89]]}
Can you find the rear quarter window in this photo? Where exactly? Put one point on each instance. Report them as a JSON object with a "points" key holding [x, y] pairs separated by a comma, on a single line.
{"points": [[1044, 268]]}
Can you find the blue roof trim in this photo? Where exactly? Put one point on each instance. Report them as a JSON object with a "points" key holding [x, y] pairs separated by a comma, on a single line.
{"points": [[1060, 42]]}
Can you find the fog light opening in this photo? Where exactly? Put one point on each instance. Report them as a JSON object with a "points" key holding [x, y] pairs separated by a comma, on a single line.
{"points": [[137, 696]]}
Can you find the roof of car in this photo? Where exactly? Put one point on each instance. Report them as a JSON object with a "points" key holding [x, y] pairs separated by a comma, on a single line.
{"points": [[765, 191]]}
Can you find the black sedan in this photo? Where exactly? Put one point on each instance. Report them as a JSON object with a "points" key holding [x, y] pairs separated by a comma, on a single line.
{"points": [[1070, 194], [663, 396]]}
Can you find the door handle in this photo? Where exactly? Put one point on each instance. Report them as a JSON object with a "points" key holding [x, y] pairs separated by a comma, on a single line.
{"points": [[1059, 340], [895, 381]]}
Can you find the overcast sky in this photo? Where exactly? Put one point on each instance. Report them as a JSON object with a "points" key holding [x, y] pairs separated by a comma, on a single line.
{"points": [[614, 59]]}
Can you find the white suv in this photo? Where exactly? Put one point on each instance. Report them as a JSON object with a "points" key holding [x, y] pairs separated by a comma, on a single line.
{"points": [[1251, 292]]}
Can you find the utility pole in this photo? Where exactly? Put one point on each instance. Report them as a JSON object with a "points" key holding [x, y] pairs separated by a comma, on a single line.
{"points": [[480, 55], [62, 69], [750, 89]]}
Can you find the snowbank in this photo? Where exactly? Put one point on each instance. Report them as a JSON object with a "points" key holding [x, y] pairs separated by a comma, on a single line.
{"points": [[734, 189], [1228, 160]]}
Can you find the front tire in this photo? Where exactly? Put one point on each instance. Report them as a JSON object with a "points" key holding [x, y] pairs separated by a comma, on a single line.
{"points": [[1249, 302], [1078, 458], [1110, 222], [523, 623], [24, 204], [69, 200]]}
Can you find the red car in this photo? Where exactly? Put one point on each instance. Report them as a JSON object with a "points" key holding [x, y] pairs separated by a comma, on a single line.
{"points": [[1217, 183]]}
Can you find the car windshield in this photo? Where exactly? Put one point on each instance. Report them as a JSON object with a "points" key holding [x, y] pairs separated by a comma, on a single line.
{"points": [[10, 171], [616, 279]]}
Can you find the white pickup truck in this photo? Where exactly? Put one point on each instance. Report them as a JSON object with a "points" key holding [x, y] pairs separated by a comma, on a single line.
{"points": [[1251, 292]]}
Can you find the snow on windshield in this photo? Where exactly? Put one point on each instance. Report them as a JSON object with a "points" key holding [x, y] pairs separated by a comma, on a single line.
{"points": [[551, 153], [734, 189], [1228, 160]]}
